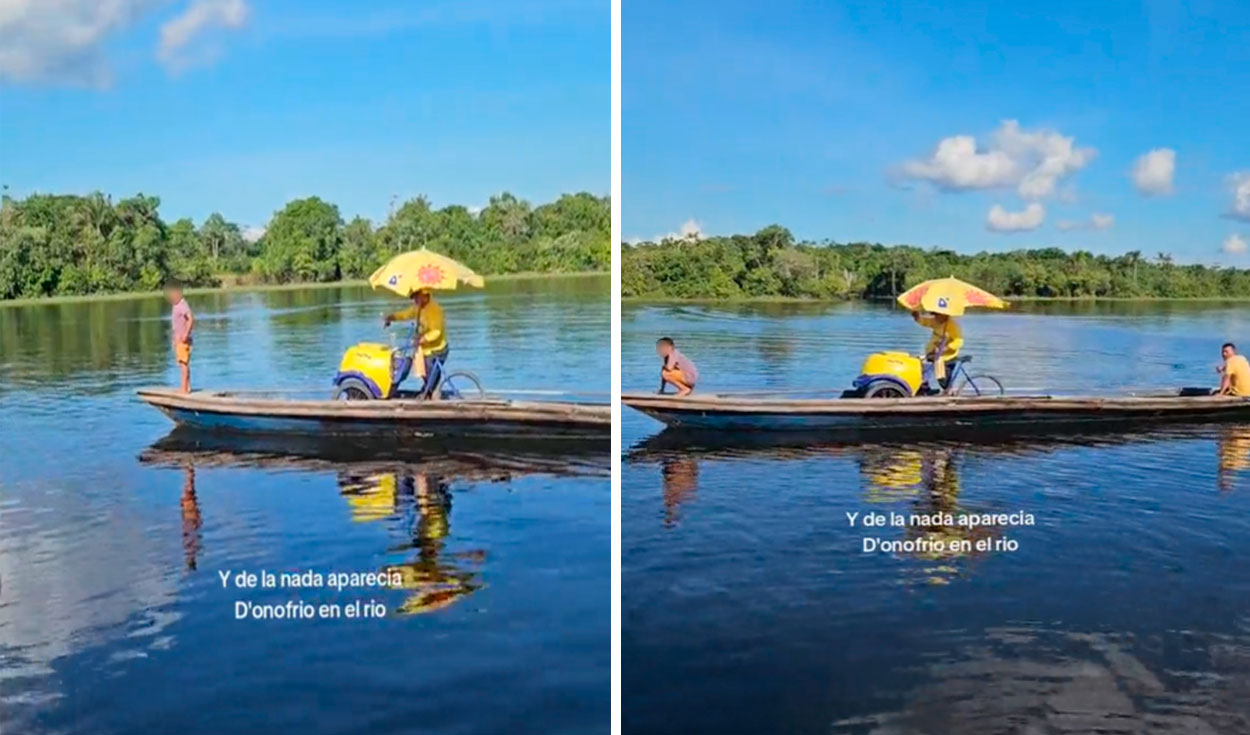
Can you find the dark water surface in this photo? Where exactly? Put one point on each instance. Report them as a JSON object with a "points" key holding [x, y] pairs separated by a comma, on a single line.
{"points": [[113, 618], [750, 606]]}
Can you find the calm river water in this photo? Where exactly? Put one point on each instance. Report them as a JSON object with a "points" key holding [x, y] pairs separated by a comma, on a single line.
{"points": [[750, 606], [113, 618]]}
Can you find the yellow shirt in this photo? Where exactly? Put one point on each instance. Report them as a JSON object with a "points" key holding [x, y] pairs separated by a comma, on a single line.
{"points": [[1238, 372], [950, 332], [431, 325]]}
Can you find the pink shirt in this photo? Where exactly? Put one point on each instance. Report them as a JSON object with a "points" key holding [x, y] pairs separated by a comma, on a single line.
{"points": [[684, 364], [181, 317]]}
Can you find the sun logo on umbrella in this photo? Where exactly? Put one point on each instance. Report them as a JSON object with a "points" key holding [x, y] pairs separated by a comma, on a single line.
{"points": [[430, 275], [942, 303], [393, 280]]}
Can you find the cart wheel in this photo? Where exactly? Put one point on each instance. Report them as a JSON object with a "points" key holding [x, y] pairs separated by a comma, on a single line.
{"points": [[352, 389], [979, 385], [462, 384], [883, 389]]}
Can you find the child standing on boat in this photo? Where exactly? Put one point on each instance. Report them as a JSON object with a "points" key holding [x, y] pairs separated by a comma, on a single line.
{"points": [[676, 369], [183, 323]]}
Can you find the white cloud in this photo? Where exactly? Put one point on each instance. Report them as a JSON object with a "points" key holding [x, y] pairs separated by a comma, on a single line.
{"points": [[1033, 161], [1234, 245], [1239, 183], [63, 40], [1102, 221], [1030, 218], [178, 49], [252, 233], [1096, 221], [957, 164], [689, 230], [1152, 173]]}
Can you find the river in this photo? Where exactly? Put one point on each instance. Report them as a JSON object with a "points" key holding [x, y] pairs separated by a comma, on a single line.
{"points": [[114, 534], [750, 604]]}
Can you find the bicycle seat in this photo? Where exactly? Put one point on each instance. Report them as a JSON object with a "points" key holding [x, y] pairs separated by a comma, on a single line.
{"points": [[963, 358]]}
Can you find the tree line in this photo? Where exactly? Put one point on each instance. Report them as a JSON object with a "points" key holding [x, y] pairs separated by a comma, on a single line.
{"points": [[771, 264], [52, 245]]}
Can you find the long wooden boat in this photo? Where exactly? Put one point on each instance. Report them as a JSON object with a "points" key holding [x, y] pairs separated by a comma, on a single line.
{"points": [[252, 413], [757, 412]]}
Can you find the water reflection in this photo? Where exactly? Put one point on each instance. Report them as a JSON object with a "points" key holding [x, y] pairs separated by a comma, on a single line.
{"points": [[435, 577], [1033, 679], [928, 479], [192, 521], [919, 480], [111, 613], [681, 482], [461, 458], [1234, 453], [896, 463], [751, 607], [382, 482]]}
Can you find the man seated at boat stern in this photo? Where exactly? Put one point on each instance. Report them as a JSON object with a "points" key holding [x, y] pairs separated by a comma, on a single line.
{"points": [[943, 346], [676, 369], [1235, 372], [431, 334]]}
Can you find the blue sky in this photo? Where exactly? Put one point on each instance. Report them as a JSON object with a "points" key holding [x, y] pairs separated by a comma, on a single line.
{"points": [[829, 118], [238, 106]]}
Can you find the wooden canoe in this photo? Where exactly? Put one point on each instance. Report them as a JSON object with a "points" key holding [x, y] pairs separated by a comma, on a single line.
{"points": [[721, 412], [242, 412]]}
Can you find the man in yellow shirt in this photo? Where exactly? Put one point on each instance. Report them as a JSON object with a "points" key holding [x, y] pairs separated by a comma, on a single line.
{"points": [[1235, 371], [944, 344], [431, 338]]}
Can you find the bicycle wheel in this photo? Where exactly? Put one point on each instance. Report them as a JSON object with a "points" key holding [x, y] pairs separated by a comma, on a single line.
{"points": [[978, 385], [461, 384]]}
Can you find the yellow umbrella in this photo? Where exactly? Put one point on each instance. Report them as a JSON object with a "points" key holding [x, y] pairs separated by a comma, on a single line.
{"points": [[948, 296], [418, 269]]}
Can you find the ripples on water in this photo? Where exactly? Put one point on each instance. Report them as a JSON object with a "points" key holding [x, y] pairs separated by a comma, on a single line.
{"points": [[112, 618], [748, 604]]}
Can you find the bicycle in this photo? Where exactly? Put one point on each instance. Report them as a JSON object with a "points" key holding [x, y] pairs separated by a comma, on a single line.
{"points": [[364, 374], [960, 380]]}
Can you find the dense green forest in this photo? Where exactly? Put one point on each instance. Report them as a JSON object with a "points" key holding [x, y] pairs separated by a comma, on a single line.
{"points": [[771, 264], [62, 245]]}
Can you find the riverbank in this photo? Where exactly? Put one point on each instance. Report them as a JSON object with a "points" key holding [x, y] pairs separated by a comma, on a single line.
{"points": [[1010, 299], [248, 287]]}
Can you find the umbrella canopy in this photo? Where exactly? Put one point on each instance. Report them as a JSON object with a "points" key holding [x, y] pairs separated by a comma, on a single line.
{"points": [[418, 269], [948, 296]]}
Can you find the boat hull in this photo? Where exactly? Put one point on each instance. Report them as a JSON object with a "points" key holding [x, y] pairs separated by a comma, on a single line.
{"points": [[731, 413], [234, 413]]}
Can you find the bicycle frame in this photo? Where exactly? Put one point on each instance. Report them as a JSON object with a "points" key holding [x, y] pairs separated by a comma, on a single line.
{"points": [[954, 373]]}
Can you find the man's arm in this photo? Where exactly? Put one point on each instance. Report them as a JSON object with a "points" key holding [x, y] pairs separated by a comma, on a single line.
{"points": [[403, 315], [1226, 383], [433, 329]]}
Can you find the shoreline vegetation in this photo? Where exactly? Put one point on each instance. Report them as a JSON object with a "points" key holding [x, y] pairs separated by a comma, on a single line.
{"points": [[771, 266], [66, 246], [257, 287]]}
